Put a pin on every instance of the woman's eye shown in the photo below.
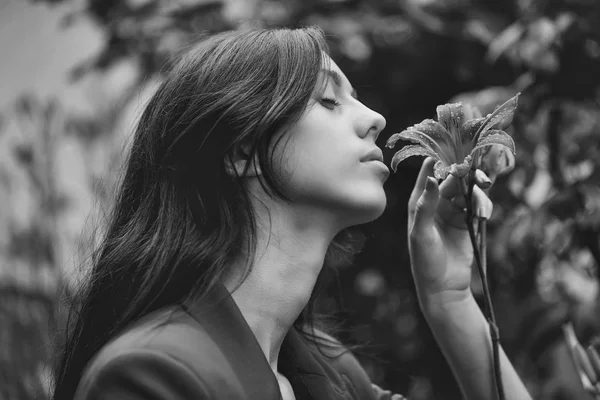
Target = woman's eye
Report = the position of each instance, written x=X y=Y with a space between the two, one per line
x=330 y=103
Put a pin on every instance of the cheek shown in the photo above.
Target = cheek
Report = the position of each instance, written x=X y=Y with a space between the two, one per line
x=309 y=155
x=319 y=166
x=337 y=183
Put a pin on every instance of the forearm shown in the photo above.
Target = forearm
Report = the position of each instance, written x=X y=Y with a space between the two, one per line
x=462 y=333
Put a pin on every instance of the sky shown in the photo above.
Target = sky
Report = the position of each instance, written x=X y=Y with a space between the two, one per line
x=37 y=52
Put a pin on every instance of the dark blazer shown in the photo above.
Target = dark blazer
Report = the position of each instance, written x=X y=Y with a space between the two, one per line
x=206 y=351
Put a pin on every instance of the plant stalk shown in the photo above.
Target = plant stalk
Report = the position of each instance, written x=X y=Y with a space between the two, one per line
x=479 y=252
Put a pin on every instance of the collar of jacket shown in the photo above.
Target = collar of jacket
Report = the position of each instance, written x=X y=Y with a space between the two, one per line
x=310 y=374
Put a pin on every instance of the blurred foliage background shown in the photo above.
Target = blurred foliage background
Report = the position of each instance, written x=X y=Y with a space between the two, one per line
x=58 y=166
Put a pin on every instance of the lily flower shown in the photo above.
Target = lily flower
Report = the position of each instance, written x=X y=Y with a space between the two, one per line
x=457 y=138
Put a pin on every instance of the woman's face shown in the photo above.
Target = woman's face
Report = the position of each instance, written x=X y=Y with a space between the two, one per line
x=325 y=160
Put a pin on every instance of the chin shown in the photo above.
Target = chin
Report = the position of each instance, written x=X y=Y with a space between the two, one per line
x=378 y=209
x=368 y=209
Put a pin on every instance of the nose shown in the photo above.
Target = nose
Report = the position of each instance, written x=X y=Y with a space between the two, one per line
x=372 y=123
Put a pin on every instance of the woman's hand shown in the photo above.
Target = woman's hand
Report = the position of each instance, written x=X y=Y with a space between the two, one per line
x=440 y=249
x=441 y=257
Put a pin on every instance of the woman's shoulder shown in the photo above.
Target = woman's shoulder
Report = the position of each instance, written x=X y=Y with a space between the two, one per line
x=164 y=346
x=168 y=330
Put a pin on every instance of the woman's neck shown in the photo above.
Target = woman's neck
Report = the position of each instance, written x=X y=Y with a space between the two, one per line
x=283 y=273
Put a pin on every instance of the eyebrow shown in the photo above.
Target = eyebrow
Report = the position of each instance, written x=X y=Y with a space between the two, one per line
x=337 y=79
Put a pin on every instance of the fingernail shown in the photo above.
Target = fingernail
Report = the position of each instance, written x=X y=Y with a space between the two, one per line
x=486 y=184
x=479 y=212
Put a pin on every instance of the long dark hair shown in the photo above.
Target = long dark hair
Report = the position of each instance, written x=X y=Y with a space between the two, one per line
x=179 y=218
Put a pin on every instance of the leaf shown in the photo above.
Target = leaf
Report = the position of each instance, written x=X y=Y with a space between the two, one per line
x=410 y=151
x=505 y=41
x=506 y=109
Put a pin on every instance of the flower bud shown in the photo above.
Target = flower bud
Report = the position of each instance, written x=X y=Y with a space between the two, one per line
x=495 y=160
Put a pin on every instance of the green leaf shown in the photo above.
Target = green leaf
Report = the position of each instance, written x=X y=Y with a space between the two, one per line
x=506 y=109
x=410 y=151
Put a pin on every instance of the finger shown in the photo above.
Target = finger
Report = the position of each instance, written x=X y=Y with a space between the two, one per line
x=459 y=202
x=482 y=180
x=426 y=207
x=452 y=212
x=449 y=188
x=480 y=200
x=426 y=171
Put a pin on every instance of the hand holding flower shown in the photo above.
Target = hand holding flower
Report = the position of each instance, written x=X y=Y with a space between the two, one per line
x=440 y=247
x=439 y=244
x=441 y=250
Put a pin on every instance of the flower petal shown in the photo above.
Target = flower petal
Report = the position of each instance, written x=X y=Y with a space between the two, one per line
x=442 y=170
x=507 y=109
x=470 y=129
x=410 y=151
x=461 y=170
x=430 y=135
x=495 y=137
x=451 y=117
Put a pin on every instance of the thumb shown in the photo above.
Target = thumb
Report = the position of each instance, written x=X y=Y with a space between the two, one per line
x=426 y=206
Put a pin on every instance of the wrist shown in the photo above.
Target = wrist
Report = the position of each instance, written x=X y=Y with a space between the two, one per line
x=445 y=304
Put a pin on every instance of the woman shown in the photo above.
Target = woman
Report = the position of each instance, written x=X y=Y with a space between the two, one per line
x=247 y=166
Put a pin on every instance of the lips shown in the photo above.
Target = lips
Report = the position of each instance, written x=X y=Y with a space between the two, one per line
x=374 y=155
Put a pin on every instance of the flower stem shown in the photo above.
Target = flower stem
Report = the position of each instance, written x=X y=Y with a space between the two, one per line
x=479 y=253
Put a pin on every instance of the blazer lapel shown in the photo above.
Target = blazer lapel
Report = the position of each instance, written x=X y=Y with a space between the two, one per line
x=222 y=320
x=310 y=375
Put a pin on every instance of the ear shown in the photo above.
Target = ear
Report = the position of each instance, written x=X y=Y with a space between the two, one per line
x=236 y=162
